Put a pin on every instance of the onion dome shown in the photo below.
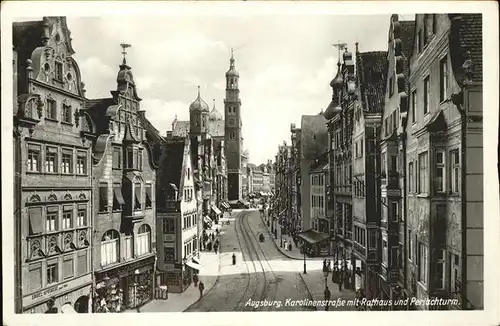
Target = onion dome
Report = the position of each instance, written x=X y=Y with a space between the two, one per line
x=199 y=104
x=338 y=81
x=331 y=110
x=232 y=70
x=215 y=114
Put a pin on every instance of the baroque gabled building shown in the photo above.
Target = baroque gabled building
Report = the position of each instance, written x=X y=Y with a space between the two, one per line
x=53 y=172
x=444 y=147
x=124 y=183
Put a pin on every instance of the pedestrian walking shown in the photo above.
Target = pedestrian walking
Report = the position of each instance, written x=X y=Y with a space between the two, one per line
x=286 y=245
x=329 y=265
x=328 y=294
x=215 y=248
x=201 y=287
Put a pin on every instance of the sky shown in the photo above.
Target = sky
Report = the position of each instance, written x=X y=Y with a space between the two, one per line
x=285 y=63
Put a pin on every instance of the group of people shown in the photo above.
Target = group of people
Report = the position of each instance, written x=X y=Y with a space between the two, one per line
x=211 y=241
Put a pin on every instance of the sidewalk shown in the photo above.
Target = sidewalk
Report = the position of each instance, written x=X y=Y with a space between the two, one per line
x=315 y=283
x=209 y=274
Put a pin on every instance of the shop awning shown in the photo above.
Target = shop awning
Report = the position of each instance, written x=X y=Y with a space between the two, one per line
x=312 y=237
x=117 y=191
x=193 y=265
x=207 y=219
x=67 y=309
x=216 y=210
x=225 y=205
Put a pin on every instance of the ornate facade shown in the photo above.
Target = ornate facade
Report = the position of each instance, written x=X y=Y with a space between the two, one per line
x=52 y=146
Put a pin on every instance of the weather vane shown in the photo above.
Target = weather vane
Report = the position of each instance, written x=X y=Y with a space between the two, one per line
x=124 y=47
x=340 y=46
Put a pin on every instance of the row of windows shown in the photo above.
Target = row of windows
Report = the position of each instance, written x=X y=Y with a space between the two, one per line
x=51 y=111
x=133 y=158
x=359 y=188
x=391 y=122
x=188 y=194
x=318 y=180
x=360 y=235
x=344 y=175
x=318 y=201
x=134 y=198
x=56 y=219
x=56 y=162
x=190 y=247
x=418 y=181
x=190 y=221
x=443 y=90
x=231 y=109
x=110 y=245
x=52 y=271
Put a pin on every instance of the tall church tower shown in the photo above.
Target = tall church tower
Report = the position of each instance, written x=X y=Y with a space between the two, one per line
x=232 y=134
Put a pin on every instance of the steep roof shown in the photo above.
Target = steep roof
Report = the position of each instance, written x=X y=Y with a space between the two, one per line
x=172 y=161
x=372 y=73
x=468 y=33
x=314 y=136
x=180 y=129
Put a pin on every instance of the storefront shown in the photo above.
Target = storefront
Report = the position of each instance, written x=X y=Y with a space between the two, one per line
x=180 y=277
x=317 y=243
x=215 y=214
x=67 y=297
x=125 y=287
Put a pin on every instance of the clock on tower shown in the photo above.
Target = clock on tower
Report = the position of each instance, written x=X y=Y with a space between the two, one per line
x=231 y=122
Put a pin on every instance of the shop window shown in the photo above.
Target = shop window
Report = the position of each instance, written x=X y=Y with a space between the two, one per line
x=82 y=263
x=68 y=267
x=455 y=171
x=103 y=197
x=34 y=158
x=144 y=240
x=128 y=247
x=51 y=160
x=67 y=220
x=35 y=276
x=52 y=272
x=67 y=161
x=81 y=163
x=110 y=247
x=66 y=113
x=51 y=219
x=51 y=110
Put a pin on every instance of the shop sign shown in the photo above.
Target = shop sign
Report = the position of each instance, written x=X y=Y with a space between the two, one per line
x=126 y=269
x=56 y=290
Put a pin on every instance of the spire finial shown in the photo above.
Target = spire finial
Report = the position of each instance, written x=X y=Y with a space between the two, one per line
x=232 y=53
x=199 y=92
x=340 y=46
x=124 y=46
x=214 y=104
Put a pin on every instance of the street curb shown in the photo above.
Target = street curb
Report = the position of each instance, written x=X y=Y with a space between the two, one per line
x=308 y=291
x=275 y=244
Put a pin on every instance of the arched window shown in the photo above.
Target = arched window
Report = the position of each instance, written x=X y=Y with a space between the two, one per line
x=110 y=247
x=143 y=243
